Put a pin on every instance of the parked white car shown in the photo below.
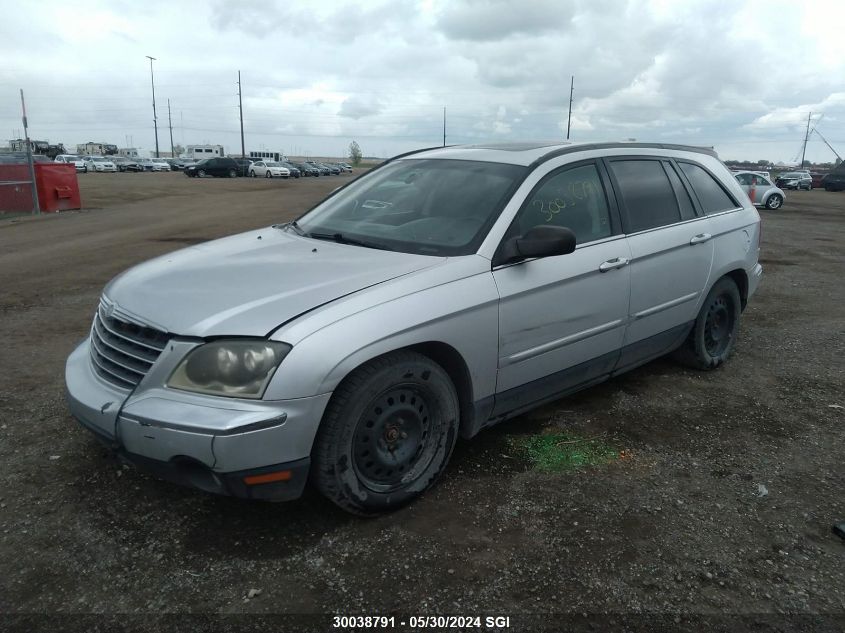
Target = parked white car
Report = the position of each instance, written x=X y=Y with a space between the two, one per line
x=159 y=164
x=268 y=169
x=760 y=189
x=71 y=159
x=99 y=163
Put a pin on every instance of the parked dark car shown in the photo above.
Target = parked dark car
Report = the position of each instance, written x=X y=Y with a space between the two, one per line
x=293 y=169
x=221 y=167
x=124 y=163
x=306 y=169
x=243 y=165
x=834 y=181
x=324 y=169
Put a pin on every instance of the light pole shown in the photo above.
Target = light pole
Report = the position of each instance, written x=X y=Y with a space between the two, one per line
x=153 y=84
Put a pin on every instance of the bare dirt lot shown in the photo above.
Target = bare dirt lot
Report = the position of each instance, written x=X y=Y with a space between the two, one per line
x=723 y=503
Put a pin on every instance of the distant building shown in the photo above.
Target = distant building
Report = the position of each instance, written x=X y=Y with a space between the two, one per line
x=198 y=152
x=96 y=149
x=128 y=152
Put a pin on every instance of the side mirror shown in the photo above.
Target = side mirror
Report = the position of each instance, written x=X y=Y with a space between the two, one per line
x=540 y=241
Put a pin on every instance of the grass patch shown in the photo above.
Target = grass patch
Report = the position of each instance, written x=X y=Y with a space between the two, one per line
x=559 y=452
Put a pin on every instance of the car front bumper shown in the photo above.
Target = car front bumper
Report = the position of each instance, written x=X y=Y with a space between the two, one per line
x=211 y=443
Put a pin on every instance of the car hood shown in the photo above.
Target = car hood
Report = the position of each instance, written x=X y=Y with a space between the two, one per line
x=249 y=284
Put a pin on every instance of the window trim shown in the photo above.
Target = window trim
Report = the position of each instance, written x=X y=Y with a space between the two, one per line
x=694 y=194
x=623 y=207
x=612 y=209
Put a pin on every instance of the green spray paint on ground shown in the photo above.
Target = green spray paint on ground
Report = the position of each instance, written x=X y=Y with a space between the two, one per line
x=559 y=452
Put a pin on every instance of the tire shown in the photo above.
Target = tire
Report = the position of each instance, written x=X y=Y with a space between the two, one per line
x=267 y=174
x=713 y=336
x=85 y=169
x=365 y=433
x=252 y=174
x=201 y=173
x=233 y=173
x=774 y=202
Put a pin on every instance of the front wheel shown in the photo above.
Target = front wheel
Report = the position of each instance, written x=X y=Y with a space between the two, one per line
x=267 y=174
x=774 y=201
x=201 y=173
x=233 y=173
x=387 y=434
x=714 y=333
x=252 y=174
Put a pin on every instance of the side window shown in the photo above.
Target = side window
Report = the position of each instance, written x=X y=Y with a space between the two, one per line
x=710 y=193
x=647 y=192
x=573 y=198
x=743 y=179
x=681 y=193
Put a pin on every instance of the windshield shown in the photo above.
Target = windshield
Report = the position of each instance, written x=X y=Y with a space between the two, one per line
x=98 y=159
x=792 y=175
x=430 y=207
x=270 y=163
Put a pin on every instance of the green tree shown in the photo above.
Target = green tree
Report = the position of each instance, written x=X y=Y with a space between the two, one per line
x=178 y=150
x=355 y=153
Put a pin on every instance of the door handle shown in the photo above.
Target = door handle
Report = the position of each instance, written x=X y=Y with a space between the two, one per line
x=612 y=264
x=700 y=238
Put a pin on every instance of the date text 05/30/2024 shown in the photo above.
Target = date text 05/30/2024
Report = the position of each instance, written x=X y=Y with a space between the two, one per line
x=421 y=622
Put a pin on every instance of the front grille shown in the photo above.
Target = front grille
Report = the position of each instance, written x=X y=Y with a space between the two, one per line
x=122 y=352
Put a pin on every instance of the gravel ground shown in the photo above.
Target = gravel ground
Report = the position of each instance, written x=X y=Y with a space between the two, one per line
x=721 y=507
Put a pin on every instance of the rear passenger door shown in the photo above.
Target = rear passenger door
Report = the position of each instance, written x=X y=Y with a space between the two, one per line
x=672 y=252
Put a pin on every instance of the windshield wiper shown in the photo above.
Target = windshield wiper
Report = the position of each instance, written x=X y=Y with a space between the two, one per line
x=340 y=238
x=293 y=225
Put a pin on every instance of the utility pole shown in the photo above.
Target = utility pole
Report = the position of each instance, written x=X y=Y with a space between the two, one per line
x=241 y=109
x=444 y=126
x=153 y=84
x=36 y=208
x=806 y=138
x=170 y=123
x=569 y=118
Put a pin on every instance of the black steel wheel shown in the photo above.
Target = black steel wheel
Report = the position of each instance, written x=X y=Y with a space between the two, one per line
x=387 y=433
x=714 y=333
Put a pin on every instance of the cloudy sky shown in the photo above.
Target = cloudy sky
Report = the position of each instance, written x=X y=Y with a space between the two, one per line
x=741 y=76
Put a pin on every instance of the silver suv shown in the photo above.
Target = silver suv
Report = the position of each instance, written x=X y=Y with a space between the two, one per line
x=444 y=291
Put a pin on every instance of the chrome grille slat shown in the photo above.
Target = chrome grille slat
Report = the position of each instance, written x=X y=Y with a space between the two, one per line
x=123 y=352
x=111 y=376
x=117 y=362
x=136 y=341
x=103 y=334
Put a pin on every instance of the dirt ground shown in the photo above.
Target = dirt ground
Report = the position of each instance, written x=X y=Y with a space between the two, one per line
x=723 y=504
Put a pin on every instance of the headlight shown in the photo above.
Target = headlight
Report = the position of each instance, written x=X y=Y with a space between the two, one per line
x=238 y=368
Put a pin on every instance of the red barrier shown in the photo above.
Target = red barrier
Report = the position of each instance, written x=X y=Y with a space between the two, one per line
x=56 y=184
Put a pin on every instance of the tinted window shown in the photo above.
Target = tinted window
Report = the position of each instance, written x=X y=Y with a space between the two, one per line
x=743 y=179
x=573 y=198
x=681 y=193
x=710 y=193
x=647 y=193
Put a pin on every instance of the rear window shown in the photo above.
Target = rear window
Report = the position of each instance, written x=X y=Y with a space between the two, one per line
x=710 y=194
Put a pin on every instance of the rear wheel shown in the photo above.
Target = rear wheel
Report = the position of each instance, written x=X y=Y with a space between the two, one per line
x=714 y=333
x=387 y=434
x=267 y=174
x=233 y=173
x=200 y=173
x=774 y=202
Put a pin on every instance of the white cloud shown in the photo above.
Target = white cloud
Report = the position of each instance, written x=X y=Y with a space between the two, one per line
x=316 y=76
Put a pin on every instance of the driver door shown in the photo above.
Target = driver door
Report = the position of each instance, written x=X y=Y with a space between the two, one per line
x=562 y=319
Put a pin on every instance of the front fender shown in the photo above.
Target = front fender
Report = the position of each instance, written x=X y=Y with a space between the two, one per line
x=462 y=314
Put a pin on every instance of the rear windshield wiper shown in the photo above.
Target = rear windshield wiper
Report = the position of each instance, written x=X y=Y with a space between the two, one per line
x=340 y=238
